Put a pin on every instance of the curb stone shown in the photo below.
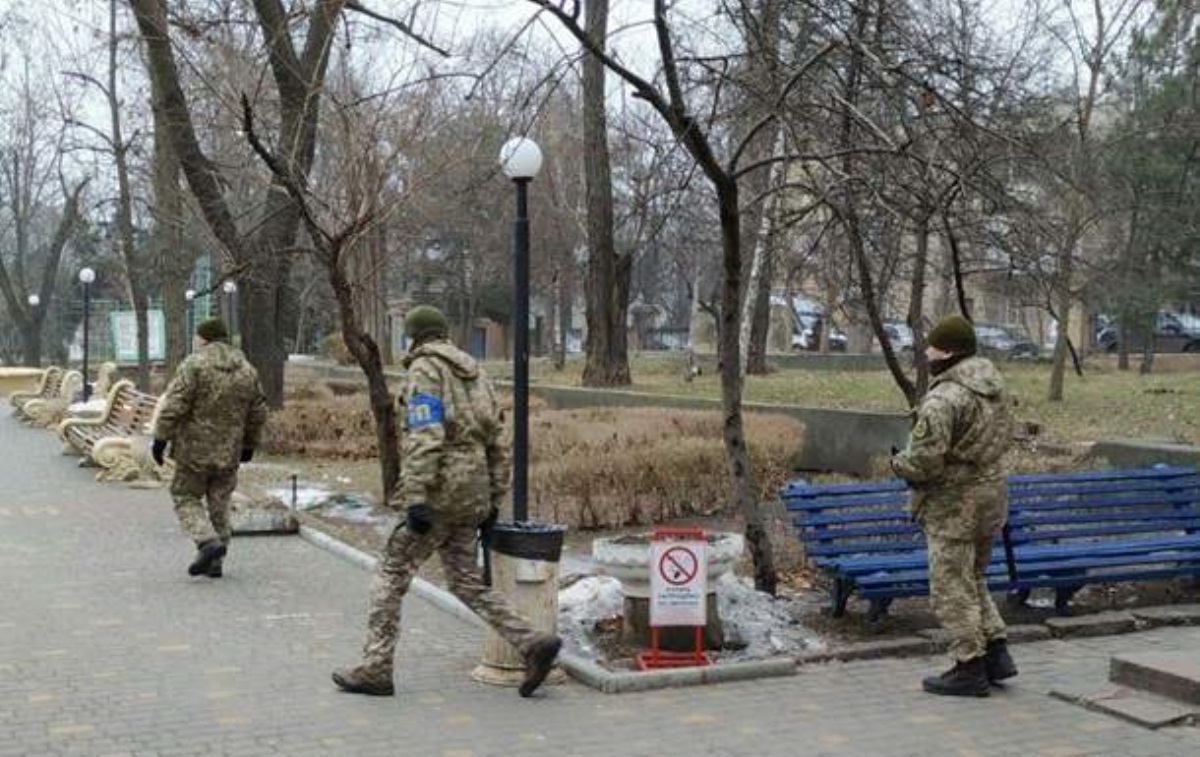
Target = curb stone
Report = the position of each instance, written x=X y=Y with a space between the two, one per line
x=584 y=670
x=1100 y=624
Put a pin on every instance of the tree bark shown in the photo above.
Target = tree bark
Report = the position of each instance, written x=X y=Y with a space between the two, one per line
x=756 y=315
x=135 y=270
x=607 y=286
x=173 y=261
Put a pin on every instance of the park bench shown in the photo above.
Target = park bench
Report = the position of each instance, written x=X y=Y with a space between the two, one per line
x=127 y=413
x=44 y=412
x=48 y=387
x=1065 y=530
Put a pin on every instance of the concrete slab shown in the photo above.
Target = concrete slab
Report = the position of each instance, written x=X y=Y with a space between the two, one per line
x=1170 y=674
x=904 y=646
x=1168 y=615
x=1099 y=624
x=1023 y=634
x=1146 y=710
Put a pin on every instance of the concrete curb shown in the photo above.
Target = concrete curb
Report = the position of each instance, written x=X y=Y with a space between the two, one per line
x=439 y=598
x=583 y=670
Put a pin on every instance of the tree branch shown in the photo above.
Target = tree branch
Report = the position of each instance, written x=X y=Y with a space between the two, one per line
x=404 y=28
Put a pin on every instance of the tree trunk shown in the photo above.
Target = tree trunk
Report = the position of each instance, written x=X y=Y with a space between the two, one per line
x=1058 y=368
x=745 y=489
x=916 y=308
x=174 y=262
x=608 y=274
x=366 y=352
x=756 y=315
x=31 y=342
x=135 y=271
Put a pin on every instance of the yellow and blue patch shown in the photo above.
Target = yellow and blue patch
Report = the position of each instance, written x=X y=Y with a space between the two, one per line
x=424 y=410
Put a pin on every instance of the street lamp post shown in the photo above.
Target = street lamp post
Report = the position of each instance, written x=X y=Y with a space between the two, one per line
x=521 y=159
x=522 y=548
x=230 y=290
x=190 y=296
x=86 y=277
x=34 y=356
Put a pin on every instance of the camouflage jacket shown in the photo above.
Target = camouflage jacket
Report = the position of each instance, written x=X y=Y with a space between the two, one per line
x=213 y=407
x=953 y=459
x=453 y=454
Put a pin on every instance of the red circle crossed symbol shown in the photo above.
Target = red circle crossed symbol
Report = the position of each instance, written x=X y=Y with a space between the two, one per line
x=678 y=565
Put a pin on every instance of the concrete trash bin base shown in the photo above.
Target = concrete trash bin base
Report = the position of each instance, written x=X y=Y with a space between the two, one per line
x=524 y=561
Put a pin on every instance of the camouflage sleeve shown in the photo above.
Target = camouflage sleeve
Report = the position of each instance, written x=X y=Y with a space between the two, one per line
x=256 y=418
x=177 y=401
x=923 y=460
x=421 y=455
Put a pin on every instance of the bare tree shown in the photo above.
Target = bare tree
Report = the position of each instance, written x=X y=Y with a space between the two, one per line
x=690 y=129
x=608 y=273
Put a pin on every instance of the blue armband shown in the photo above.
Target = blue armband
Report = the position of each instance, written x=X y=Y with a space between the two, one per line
x=424 y=410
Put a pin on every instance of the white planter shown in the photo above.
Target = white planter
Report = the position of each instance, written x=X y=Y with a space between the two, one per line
x=627 y=559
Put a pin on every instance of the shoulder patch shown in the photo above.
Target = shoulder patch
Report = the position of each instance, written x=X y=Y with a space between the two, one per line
x=921 y=430
x=424 y=410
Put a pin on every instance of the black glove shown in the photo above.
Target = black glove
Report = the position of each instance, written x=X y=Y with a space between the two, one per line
x=419 y=518
x=895 y=450
x=247 y=454
x=489 y=522
x=157 y=449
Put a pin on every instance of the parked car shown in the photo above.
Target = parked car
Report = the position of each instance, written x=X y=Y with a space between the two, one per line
x=1009 y=342
x=1171 y=334
x=807 y=336
x=899 y=334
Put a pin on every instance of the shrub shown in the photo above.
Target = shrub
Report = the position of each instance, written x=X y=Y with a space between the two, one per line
x=334 y=348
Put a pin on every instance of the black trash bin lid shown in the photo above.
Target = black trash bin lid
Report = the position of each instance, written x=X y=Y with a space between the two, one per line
x=531 y=541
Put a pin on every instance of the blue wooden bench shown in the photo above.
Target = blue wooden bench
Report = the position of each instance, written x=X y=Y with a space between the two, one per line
x=1065 y=530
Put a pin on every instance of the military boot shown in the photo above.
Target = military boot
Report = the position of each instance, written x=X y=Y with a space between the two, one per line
x=361 y=681
x=208 y=552
x=216 y=570
x=539 y=661
x=998 y=661
x=965 y=679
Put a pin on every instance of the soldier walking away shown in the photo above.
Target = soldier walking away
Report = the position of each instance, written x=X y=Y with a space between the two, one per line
x=960 y=500
x=211 y=416
x=454 y=475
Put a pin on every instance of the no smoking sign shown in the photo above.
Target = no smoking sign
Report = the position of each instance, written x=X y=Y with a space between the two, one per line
x=678 y=583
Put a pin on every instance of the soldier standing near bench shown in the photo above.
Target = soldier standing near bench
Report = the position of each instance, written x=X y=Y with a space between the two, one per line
x=211 y=414
x=454 y=475
x=960 y=499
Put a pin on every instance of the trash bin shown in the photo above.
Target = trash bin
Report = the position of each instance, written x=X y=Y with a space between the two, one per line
x=524 y=560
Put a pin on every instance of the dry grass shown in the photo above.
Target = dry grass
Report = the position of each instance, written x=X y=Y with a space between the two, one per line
x=588 y=468
x=600 y=468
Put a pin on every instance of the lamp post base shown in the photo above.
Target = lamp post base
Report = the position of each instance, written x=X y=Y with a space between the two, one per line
x=530 y=586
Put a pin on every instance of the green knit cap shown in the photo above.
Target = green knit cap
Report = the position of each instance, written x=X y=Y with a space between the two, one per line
x=213 y=330
x=953 y=334
x=425 y=322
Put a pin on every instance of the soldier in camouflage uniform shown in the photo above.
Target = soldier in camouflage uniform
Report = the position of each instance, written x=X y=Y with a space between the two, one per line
x=959 y=498
x=211 y=414
x=454 y=475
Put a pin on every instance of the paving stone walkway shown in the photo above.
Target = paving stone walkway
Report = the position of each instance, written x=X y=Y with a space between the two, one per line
x=107 y=647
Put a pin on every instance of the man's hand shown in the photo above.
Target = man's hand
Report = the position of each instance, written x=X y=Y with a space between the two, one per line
x=157 y=449
x=247 y=454
x=419 y=518
x=895 y=450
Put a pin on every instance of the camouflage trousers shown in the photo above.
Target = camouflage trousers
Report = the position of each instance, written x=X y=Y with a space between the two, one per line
x=202 y=502
x=959 y=594
x=402 y=558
